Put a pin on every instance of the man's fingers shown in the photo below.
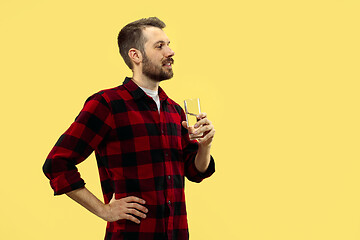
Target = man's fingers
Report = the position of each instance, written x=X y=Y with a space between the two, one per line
x=190 y=129
x=126 y=208
x=203 y=121
x=134 y=199
x=205 y=135
x=138 y=206
x=203 y=129
x=201 y=115
x=135 y=212
x=208 y=136
x=131 y=218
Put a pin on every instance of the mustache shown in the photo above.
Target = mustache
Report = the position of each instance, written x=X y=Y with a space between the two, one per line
x=169 y=60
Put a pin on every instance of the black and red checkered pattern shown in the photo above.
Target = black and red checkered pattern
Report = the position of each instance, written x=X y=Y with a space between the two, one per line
x=139 y=152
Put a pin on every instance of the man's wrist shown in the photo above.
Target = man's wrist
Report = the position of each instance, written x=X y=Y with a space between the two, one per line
x=104 y=211
x=202 y=158
x=204 y=149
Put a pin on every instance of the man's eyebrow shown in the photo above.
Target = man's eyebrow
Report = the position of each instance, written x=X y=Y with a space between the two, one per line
x=161 y=41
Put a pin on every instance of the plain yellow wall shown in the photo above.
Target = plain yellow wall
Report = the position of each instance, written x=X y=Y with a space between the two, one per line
x=279 y=80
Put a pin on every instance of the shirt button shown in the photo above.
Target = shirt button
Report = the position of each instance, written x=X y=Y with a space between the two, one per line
x=166 y=154
x=169 y=202
x=169 y=177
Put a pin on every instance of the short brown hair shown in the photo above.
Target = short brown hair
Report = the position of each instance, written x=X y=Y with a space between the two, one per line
x=131 y=36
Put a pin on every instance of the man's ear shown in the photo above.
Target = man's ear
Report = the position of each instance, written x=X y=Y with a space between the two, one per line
x=135 y=56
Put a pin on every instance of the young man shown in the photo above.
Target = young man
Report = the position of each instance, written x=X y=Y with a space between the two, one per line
x=141 y=143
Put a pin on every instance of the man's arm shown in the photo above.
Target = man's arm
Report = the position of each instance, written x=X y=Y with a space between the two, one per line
x=117 y=209
x=90 y=127
x=202 y=159
x=204 y=132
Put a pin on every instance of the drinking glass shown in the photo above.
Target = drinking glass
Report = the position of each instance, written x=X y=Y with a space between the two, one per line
x=192 y=109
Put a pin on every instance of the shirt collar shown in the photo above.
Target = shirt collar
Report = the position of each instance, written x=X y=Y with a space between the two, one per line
x=138 y=93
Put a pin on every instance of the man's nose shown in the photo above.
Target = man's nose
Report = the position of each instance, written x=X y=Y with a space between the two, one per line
x=169 y=52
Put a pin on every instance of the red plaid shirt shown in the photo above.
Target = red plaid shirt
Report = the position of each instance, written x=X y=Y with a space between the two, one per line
x=139 y=152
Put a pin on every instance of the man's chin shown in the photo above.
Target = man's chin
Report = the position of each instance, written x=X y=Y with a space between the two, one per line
x=168 y=77
x=162 y=78
x=160 y=75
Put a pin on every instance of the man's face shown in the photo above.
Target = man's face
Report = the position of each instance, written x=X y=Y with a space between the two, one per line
x=157 y=60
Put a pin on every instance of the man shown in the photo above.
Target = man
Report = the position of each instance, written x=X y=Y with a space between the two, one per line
x=141 y=143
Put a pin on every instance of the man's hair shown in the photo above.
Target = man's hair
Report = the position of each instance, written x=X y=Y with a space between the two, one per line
x=131 y=36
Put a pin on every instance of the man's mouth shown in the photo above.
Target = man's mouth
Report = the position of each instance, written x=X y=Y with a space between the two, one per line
x=168 y=63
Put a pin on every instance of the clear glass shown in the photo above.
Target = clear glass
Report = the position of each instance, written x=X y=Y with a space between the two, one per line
x=192 y=109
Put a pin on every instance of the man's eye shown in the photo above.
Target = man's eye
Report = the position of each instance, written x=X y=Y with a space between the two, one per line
x=159 y=46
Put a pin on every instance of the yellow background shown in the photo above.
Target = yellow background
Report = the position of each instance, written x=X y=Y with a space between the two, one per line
x=279 y=80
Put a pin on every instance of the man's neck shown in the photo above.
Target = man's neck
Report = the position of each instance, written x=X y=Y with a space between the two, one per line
x=145 y=82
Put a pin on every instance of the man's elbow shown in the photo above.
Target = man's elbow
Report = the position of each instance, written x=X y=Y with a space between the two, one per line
x=47 y=168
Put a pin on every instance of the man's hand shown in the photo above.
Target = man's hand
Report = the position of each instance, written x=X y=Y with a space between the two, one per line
x=117 y=209
x=125 y=208
x=203 y=130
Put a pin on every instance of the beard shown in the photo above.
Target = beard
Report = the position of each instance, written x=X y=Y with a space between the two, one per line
x=156 y=72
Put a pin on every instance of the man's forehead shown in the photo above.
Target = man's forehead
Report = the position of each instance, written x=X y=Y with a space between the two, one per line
x=154 y=34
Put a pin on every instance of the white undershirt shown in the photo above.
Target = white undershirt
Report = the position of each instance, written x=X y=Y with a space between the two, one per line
x=154 y=95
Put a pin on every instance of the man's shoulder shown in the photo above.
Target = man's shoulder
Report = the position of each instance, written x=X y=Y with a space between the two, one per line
x=113 y=94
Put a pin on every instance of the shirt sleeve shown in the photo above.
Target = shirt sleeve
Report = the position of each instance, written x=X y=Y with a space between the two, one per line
x=90 y=127
x=190 y=148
